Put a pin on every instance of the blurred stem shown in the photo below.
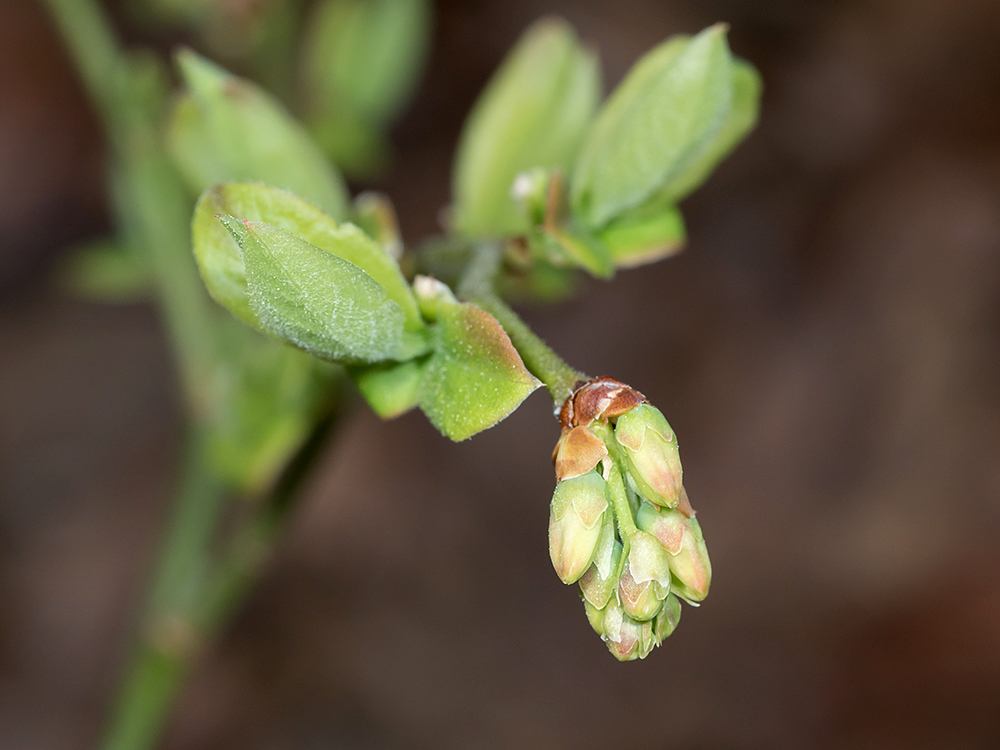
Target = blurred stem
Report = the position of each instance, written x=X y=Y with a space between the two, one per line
x=154 y=213
x=245 y=555
x=93 y=46
x=477 y=285
x=169 y=636
x=192 y=599
x=155 y=208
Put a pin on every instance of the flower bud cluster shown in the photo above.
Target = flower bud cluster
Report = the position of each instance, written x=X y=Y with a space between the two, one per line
x=621 y=524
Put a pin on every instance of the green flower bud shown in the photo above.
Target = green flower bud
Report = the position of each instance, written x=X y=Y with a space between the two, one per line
x=601 y=578
x=682 y=538
x=595 y=617
x=666 y=622
x=630 y=640
x=650 y=450
x=645 y=579
x=641 y=601
x=575 y=524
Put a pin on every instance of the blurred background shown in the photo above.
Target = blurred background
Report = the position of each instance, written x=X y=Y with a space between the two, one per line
x=826 y=348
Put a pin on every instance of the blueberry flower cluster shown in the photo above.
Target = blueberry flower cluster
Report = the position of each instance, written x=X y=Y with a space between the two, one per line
x=621 y=524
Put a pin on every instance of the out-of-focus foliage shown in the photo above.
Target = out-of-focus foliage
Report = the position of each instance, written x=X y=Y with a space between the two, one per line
x=361 y=61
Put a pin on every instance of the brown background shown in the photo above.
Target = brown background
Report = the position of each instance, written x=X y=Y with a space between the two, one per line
x=826 y=348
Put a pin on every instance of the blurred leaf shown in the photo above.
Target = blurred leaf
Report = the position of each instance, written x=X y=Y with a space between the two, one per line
x=661 y=119
x=374 y=213
x=356 y=146
x=742 y=117
x=227 y=129
x=644 y=235
x=474 y=377
x=221 y=263
x=533 y=113
x=105 y=270
x=574 y=246
x=267 y=398
x=541 y=282
x=363 y=57
x=390 y=388
x=317 y=300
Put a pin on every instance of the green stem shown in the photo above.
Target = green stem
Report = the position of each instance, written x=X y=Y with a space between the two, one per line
x=621 y=505
x=244 y=558
x=153 y=204
x=154 y=213
x=169 y=634
x=94 y=49
x=477 y=285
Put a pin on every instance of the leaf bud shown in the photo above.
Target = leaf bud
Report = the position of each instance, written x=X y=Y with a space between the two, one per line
x=681 y=537
x=654 y=464
x=575 y=524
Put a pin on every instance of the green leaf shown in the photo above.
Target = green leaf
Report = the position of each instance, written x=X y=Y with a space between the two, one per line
x=644 y=235
x=742 y=118
x=228 y=129
x=105 y=270
x=390 y=388
x=363 y=57
x=475 y=377
x=660 y=120
x=533 y=113
x=577 y=247
x=266 y=399
x=221 y=263
x=317 y=300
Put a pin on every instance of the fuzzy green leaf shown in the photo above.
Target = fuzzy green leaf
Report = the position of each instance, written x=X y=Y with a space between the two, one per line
x=660 y=120
x=221 y=263
x=475 y=377
x=316 y=300
x=225 y=128
x=533 y=113
x=742 y=117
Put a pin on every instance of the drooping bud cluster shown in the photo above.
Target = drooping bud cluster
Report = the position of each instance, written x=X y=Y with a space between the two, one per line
x=621 y=523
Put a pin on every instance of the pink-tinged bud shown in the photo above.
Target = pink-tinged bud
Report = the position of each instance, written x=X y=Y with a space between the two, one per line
x=682 y=538
x=645 y=577
x=601 y=578
x=575 y=524
x=666 y=622
x=641 y=601
x=578 y=451
x=650 y=449
x=635 y=640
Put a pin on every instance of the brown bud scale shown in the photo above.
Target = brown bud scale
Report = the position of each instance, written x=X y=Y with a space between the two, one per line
x=602 y=398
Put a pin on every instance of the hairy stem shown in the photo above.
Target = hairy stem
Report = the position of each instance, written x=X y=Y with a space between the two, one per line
x=477 y=285
x=620 y=504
